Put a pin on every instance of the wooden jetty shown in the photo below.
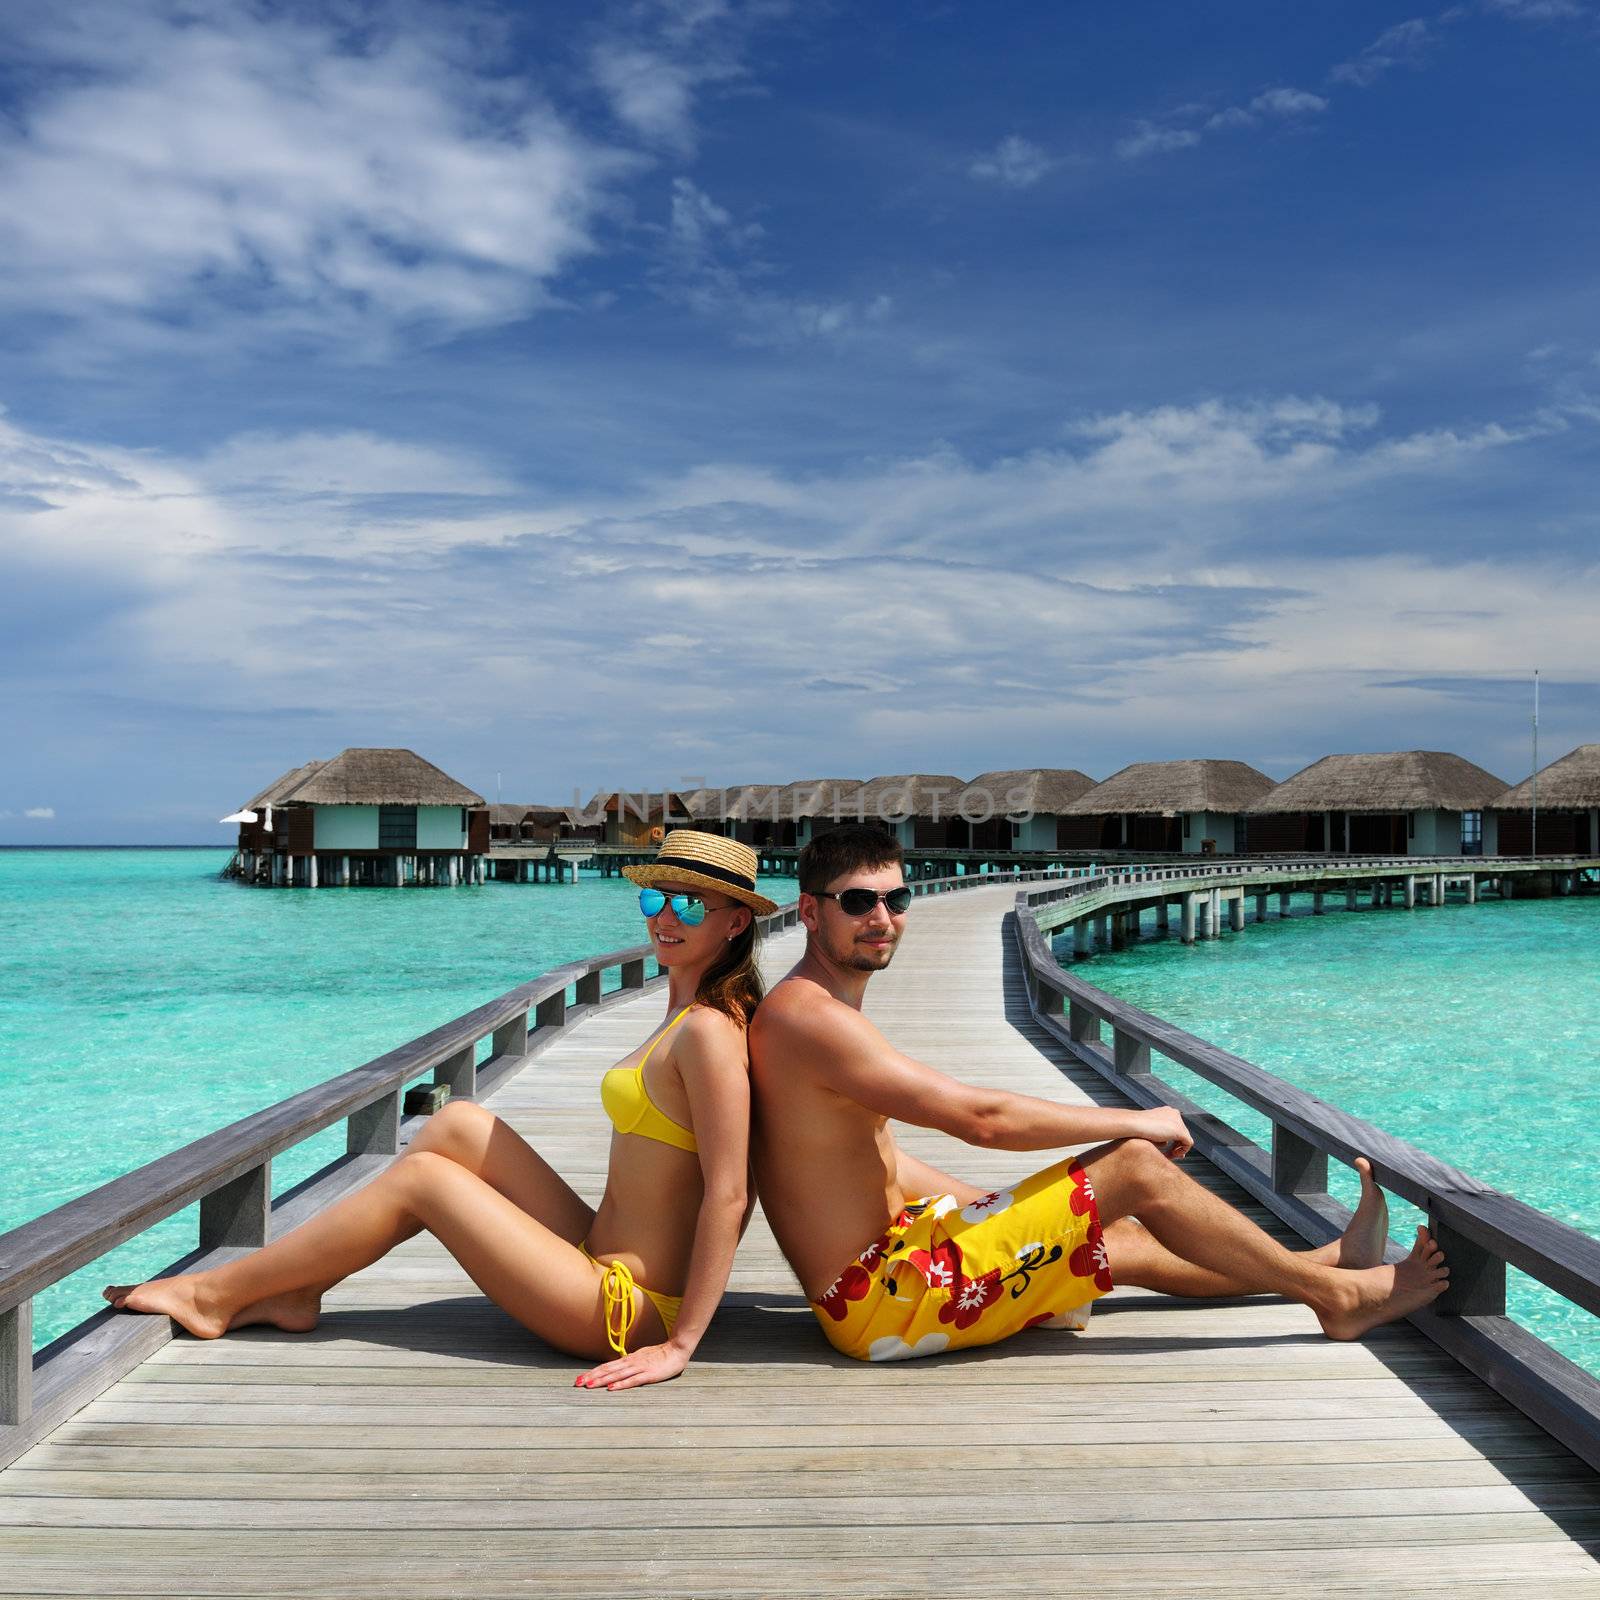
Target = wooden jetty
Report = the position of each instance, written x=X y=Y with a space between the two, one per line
x=420 y=1444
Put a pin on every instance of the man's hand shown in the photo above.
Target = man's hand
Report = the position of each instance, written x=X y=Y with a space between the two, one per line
x=652 y=1363
x=1162 y=1126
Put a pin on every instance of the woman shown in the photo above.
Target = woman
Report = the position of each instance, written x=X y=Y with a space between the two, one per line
x=641 y=1276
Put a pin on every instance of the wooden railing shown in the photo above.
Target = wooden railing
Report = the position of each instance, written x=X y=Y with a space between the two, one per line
x=229 y=1174
x=1481 y=1230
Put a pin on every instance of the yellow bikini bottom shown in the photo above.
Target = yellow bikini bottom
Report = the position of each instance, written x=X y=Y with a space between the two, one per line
x=622 y=1311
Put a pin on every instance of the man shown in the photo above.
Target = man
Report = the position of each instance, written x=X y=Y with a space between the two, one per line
x=900 y=1259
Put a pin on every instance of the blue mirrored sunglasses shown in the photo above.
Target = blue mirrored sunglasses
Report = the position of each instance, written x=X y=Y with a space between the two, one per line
x=689 y=909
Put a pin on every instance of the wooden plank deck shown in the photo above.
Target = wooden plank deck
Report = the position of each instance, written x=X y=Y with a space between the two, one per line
x=419 y=1444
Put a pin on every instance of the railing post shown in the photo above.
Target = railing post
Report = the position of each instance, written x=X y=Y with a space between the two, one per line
x=552 y=1012
x=589 y=989
x=1298 y=1167
x=16 y=1364
x=511 y=1038
x=1131 y=1056
x=1083 y=1026
x=239 y=1214
x=1477 y=1276
x=633 y=974
x=375 y=1130
x=459 y=1073
x=1047 y=998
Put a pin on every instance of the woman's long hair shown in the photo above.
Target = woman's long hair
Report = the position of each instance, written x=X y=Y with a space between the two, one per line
x=732 y=983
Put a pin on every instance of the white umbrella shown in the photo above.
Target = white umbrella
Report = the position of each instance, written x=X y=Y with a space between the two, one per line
x=239 y=816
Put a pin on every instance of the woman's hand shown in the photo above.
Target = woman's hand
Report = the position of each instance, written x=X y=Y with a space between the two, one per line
x=651 y=1363
x=1163 y=1127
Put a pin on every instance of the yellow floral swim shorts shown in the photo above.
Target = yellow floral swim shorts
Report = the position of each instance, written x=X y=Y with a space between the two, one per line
x=946 y=1275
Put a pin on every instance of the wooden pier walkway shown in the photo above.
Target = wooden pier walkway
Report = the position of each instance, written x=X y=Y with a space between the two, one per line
x=419 y=1444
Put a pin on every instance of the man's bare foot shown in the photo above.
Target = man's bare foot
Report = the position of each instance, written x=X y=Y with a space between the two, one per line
x=298 y=1312
x=183 y=1298
x=1362 y=1242
x=1366 y=1298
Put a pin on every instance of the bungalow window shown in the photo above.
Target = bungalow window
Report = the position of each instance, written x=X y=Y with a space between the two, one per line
x=1471 y=833
x=397 y=827
x=1188 y=825
x=1411 y=824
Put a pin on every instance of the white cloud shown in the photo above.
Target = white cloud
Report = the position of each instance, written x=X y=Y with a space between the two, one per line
x=1150 y=139
x=650 y=95
x=1015 y=163
x=662 y=53
x=1536 y=10
x=1289 y=103
x=170 y=164
x=711 y=266
x=1405 y=44
x=40 y=813
x=901 y=592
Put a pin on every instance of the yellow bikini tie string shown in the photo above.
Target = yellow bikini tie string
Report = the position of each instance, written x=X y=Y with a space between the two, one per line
x=621 y=1310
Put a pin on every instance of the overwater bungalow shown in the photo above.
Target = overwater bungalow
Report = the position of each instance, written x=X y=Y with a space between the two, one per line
x=507 y=823
x=1171 y=806
x=987 y=804
x=918 y=808
x=538 y=825
x=368 y=816
x=801 y=805
x=635 y=819
x=1401 y=802
x=1569 y=809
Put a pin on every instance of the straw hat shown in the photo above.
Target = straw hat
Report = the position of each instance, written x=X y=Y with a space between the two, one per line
x=705 y=861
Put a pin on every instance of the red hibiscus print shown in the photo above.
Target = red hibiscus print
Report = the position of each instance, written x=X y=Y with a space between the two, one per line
x=874 y=1251
x=941 y=1266
x=1089 y=1261
x=972 y=1297
x=851 y=1284
x=1082 y=1193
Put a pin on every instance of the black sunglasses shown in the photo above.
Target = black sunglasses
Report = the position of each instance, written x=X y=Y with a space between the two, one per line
x=858 y=902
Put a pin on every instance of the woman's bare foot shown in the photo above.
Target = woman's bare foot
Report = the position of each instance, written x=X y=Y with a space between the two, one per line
x=297 y=1312
x=1364 y=1299
x=184 y=1299
x=1362 y=1243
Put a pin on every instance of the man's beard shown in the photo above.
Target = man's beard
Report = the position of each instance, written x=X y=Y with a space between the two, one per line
x=866 y=961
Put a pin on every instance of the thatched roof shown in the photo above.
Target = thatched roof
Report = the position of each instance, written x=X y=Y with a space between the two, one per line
x=1045 y=791
x=812 y=797
x=361 y=777
x=704 y=805
x=904 y=794
x=611 y=802
x=507 y=816
x=751 y=800
x=274 y=792
x=1400 y=780
x=1170 y=788
x=1570 y=784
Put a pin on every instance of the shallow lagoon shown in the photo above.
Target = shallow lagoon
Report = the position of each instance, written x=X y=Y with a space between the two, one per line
x=1471 y=1031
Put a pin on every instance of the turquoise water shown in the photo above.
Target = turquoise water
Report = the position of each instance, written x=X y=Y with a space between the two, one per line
x=1470 y=1031
x=144 y=1002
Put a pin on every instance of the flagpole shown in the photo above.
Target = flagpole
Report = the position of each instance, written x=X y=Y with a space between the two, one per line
x=1535 y=841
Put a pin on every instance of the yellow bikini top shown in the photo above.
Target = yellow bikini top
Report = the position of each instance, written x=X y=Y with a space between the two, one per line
x=627 y=1102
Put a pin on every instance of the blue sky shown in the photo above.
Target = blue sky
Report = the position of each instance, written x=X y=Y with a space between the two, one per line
x=622 y=395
